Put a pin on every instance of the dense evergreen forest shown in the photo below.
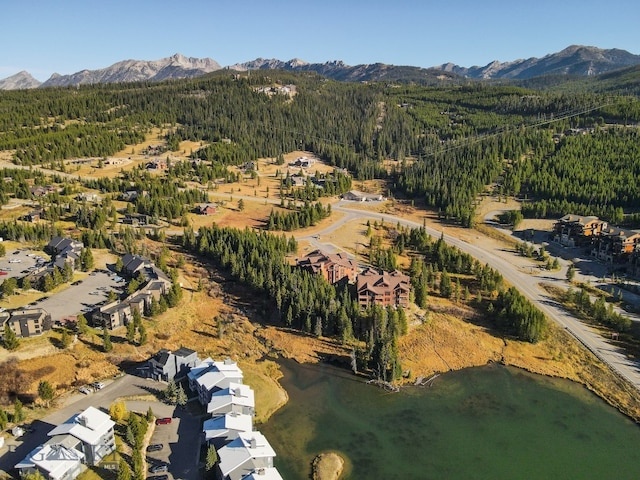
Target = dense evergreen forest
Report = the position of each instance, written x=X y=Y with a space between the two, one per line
x=446 y=144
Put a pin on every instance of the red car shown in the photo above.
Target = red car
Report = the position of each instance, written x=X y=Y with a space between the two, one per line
x=163 y=421
x=2 y=272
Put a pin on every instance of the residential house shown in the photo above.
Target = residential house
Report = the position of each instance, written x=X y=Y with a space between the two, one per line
x=237 y=397
x=383 y=288
x=65 y=250
x=243 y=456
x=132 y=265
x=94 y=429
x=157 y=164
x=210 y=376
x=221 y=430
x=167 y=365
x=85 y=438
x=576 y=230
x=53 y=462
x=136 y=219
x=41 y=191
x=302 y=162
x=206 y=209
x=89 y=197
x=334 y=267
x=296 y=180
x=58 y=245
x=129 y=195
x=27 y=322
x=34 y=215
x=354 y=195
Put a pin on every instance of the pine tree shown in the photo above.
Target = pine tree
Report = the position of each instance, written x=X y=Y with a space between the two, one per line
x=571 y=272
x=124 y=472
x=181 y=396
x=81 y=324
x=10 y=339
x=18 y=412
x=65 y=339
x=212 y=457
x=4 y=419
x=107 y=346
x=131 y=332
x=46 y=391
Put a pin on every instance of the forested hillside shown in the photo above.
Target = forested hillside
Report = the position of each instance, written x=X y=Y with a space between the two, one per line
x=446 y=144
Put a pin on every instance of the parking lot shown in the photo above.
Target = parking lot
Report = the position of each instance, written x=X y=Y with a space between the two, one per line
x=180 y=439
x=82 y=297
x=18 y=263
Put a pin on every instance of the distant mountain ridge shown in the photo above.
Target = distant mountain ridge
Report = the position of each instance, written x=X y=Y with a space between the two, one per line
x=574 y=60
x=19 y=80
x=338 y=70
x=176 y=66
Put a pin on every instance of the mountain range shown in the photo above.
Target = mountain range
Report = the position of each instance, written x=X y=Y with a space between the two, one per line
x=575 y=60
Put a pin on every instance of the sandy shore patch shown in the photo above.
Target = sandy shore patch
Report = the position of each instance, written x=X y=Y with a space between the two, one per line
x=328 y=466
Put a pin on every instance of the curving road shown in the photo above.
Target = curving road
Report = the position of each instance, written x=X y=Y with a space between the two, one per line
x=527 y=284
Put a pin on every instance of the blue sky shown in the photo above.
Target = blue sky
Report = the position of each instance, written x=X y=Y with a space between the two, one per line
x=66 y=36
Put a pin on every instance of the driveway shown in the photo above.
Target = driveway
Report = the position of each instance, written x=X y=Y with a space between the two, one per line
x=182 y=455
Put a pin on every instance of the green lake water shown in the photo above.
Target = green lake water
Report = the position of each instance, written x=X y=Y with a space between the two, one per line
x=492 y=423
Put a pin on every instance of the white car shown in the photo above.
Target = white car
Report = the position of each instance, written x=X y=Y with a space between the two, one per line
x=98 y=385
x=15 y=260
x=84 y=390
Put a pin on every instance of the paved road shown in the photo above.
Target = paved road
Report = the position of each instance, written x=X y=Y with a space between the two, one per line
x=526 y=283
x=182 y=456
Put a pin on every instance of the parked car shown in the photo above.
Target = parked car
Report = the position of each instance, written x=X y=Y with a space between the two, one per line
x=161 y=467
x=163 y=421
x=84 y=390
x=98 y=385
x=2 y=272
x=155 y=447
x=160 y=477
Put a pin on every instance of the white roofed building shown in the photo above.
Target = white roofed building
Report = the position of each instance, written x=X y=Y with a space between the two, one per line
x=209 y=377
x=94 y=429
x=243 y=456
x=85 y=438
x=219 y=431
x=53 y=462
x=237 y=397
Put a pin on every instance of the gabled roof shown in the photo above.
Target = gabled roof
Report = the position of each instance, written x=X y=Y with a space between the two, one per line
x=57 y=460
x=373 y=281
x=184 y=352
x=162 y=357
x=220 y=426
x=214 y=378
x=248 y=446
x=317 y=258
x=236 y=394
x=88 y=426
